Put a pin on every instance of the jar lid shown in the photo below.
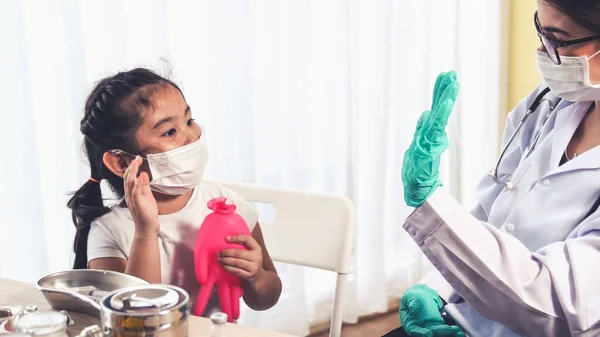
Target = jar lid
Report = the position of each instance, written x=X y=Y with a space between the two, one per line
x=145 y=308
x=219 y=318
x=144 y=298
x=41 y=323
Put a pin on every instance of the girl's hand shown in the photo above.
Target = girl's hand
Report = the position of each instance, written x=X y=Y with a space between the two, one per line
x=140 y=201
x=246 y=264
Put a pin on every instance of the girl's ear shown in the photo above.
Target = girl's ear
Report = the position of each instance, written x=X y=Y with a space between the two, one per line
x=116 y=163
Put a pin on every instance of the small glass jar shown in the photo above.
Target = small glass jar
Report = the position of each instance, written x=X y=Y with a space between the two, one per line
x=219 y=321
x=43 y=324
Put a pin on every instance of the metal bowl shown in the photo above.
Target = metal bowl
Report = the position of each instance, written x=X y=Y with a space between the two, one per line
x=148 y=310
x=60 y=289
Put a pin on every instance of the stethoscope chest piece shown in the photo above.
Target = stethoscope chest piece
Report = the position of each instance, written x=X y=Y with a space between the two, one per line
x=507 y=185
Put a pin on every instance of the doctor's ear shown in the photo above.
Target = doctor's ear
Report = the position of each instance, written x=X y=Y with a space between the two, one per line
x=116 y=162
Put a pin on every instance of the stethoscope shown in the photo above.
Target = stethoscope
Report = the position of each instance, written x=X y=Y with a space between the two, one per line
x=532 y=108
x=493 y=173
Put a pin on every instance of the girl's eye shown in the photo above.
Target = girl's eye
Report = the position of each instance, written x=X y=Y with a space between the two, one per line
x=190 y=122
x=169 y=133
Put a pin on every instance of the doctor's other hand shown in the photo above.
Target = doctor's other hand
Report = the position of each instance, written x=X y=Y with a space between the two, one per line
x=421 y=163
x=421 y=314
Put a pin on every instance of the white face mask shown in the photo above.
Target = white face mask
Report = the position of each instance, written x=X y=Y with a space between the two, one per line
x=179 y=170
x=569 y=80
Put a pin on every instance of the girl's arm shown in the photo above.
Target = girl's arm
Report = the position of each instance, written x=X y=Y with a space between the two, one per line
x=261 y=284
x=262 y=292
x=144 y=260
x=109 y=263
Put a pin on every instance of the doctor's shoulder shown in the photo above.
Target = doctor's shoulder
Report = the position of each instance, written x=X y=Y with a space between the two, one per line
x=526 y=103
x=541 y=104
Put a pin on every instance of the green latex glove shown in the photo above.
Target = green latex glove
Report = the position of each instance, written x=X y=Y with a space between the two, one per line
x=420 y=167
x=420 y=314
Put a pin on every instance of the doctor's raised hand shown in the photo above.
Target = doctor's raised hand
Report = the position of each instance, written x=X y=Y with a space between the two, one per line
x=420 y=167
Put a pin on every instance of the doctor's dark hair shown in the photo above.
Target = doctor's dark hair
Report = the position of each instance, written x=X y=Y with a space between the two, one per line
x=586 y=13
x=112 y=116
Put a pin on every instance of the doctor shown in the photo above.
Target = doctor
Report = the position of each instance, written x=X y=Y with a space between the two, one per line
x=526 y=260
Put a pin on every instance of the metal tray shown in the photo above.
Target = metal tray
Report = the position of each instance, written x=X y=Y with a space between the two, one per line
x=61 y=289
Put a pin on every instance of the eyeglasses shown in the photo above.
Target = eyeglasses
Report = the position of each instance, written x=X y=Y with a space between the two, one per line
x=551 y=45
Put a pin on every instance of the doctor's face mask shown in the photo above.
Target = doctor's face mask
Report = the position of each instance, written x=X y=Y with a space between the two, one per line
x=174 y=145
x=569 y=80
x=567 y=59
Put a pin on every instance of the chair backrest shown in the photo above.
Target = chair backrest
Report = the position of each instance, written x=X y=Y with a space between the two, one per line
x=309 y=229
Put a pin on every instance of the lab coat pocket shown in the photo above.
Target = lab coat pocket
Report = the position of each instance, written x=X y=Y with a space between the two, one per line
x=520 y=171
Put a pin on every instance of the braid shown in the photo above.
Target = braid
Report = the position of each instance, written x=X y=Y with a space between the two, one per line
x=112 y=116
x=98 y=107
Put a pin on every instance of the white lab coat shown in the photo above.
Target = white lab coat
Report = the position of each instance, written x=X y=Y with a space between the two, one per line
x=523 y=260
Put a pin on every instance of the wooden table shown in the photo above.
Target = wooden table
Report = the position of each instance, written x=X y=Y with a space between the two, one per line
x=19 y=293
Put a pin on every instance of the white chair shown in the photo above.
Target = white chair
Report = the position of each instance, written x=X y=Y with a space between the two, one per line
x=310 y=229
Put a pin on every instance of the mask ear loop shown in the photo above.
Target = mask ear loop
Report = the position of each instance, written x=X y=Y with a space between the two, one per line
x=588 y=78
x=593 y=55
x=117 y=152
x=145 y=164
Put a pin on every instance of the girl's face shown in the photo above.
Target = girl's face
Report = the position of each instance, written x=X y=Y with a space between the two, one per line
x=168 y=125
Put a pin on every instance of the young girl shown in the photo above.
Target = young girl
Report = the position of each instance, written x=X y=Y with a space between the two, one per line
x=141 y=138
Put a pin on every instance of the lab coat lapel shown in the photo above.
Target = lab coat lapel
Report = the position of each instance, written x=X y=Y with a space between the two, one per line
x=587 y=161
x=567 y=121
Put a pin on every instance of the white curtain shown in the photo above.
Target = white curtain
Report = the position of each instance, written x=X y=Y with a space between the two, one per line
x=320 y=95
